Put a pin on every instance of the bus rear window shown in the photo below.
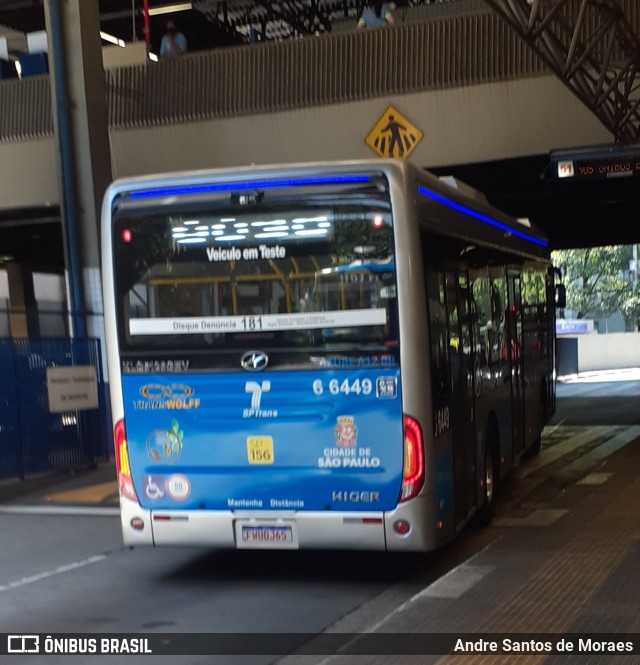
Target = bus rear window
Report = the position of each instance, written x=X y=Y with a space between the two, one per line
x=284 y=271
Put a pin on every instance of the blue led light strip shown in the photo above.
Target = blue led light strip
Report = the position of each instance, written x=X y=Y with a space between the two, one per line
x=250 y=184
x=483 y=218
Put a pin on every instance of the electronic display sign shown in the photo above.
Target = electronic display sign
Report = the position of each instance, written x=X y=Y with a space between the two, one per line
x=596 y=163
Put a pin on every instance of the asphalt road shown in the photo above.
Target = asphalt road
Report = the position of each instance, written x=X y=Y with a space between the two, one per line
x=67 y=574
x=599 y=398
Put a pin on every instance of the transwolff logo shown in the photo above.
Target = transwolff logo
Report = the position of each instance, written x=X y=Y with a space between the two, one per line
x=255 y=411
x=158 y=397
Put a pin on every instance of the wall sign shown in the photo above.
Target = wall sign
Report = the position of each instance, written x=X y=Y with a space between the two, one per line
x=393 y=136
x=72 y=388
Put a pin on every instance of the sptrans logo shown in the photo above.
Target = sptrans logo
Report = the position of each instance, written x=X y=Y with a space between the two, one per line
x=257 y=390
x=166 y=398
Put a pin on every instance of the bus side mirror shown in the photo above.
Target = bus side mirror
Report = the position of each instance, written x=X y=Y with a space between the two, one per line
x=560 y=296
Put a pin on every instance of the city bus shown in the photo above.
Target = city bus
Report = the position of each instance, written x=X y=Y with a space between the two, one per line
x=335 y=355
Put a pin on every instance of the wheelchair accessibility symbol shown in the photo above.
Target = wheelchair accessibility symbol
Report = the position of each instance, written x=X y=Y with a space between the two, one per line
x=153 y=487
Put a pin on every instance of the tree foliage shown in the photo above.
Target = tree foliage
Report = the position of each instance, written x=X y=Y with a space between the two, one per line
x=631 y=310
x=597 y=279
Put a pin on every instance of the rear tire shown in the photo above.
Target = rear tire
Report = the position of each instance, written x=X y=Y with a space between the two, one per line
x=487 y=510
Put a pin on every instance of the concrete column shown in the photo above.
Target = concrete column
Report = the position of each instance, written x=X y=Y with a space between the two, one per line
x=23 y=312
x=84 y=156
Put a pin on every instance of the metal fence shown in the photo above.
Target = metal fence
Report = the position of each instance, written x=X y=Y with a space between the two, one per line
x=331 y=69
x=31 y=438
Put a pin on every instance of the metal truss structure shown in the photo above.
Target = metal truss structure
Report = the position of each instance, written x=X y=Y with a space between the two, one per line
x=268 y=20
x=594 y=50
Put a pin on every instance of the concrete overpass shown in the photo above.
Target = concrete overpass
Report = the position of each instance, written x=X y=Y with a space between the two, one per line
x=489 y=111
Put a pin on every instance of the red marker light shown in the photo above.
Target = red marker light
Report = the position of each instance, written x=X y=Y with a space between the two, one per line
x=402 y=527
x=378 y=221
x=126 y=235
x=137 y=524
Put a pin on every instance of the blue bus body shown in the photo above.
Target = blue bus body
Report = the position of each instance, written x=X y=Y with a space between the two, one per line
x=345 y=355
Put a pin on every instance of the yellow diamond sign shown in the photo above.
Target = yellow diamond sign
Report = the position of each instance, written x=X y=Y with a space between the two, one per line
x=393 y=135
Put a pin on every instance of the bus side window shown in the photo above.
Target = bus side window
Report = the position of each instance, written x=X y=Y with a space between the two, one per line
x=496 y=303
x=498 y=359
x=438 y=335
x=481 y=292
x=533 y=293
x=453 y=329
x=534 y=296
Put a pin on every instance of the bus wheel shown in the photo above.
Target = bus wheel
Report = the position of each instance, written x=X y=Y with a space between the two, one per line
x=487 y=510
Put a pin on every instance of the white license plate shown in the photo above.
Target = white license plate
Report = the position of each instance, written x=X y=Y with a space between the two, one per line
x=265 y=536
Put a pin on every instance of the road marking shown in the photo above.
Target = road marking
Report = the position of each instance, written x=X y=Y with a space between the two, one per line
x=556 y=452
x=553 y=429
x=52 y=573
x=72 y=511
x=595 y=479
x=612 y=445
x=605 y=376
x=453 y=586
x=461 y=569
x=461 y=578
x=538 y=518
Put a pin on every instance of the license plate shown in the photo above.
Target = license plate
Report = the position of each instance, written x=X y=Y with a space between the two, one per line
x=265 y=536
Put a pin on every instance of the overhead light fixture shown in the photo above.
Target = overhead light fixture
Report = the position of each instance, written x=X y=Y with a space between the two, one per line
x=169 y=9
x=112 y=39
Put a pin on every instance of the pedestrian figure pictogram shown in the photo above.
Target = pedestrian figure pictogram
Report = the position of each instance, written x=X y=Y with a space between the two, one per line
x=393 y=136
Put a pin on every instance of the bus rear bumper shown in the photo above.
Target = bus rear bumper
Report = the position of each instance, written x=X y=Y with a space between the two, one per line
x=419 y=515
x=299 y=530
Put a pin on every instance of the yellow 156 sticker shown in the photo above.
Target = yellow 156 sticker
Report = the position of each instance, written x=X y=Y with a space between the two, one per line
x=260 y=449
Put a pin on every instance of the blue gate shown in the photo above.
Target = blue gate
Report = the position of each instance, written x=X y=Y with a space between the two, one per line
x=31 y=438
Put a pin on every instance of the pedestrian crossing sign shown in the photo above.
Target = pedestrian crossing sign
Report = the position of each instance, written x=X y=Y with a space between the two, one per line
x=393 y=136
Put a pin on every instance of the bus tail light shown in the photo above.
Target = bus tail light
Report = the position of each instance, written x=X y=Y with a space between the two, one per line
x=125 y=482
x=413 y=469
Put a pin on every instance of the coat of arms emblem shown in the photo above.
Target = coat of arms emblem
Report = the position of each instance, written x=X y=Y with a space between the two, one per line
x=346 y=431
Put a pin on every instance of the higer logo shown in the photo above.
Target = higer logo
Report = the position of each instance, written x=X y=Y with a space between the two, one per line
x=255 y=411
x=355 y=496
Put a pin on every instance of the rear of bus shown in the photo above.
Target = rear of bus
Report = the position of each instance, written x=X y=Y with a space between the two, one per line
x=254 y=360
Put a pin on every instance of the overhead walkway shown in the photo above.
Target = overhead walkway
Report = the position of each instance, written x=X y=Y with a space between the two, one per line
x=590 y=44
x=431 y=50
x=455 y=70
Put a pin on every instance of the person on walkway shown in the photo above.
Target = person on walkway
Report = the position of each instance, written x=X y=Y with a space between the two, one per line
x=174 y=43
x=375 y=15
